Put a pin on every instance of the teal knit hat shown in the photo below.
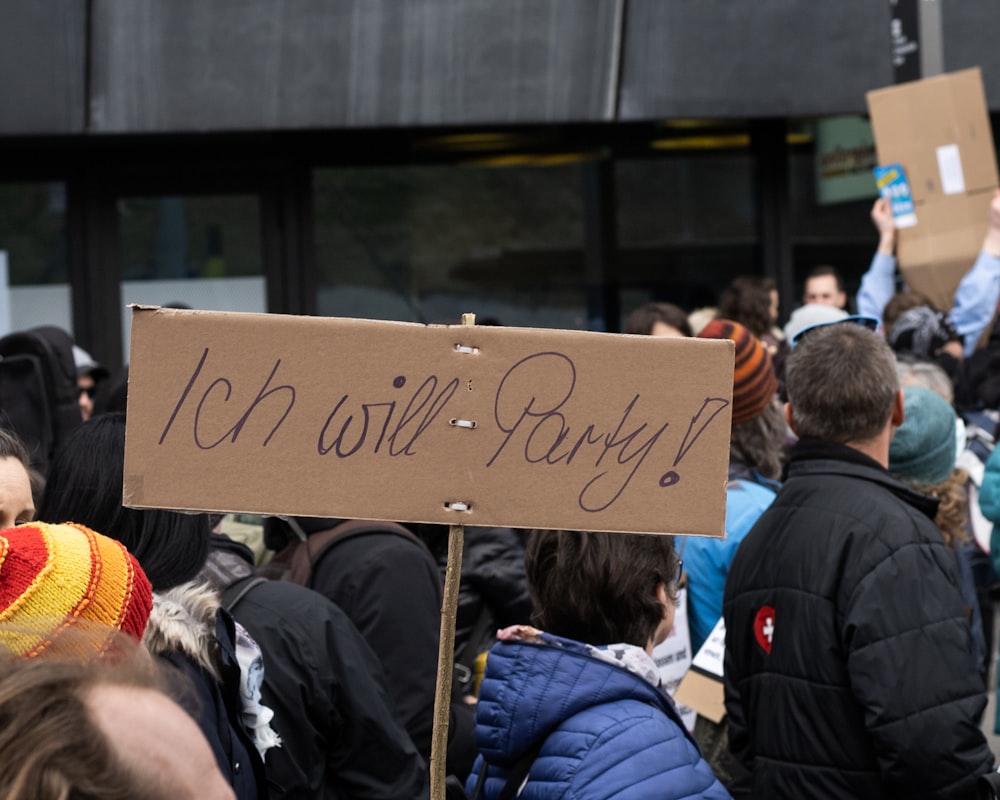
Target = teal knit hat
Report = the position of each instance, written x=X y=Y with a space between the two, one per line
x=924 y=449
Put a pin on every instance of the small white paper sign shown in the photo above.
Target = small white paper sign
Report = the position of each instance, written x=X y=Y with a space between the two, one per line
x=673 y=657
x=712 y=654
x=950 y=167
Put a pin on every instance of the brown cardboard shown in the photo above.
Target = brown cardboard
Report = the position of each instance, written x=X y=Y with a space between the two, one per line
x=911 y=121
x=575 y=430
x=702 y=688
x=703 y=693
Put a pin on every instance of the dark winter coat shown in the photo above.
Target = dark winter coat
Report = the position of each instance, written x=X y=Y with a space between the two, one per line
x=189 y=631
x=340 y=735
x=849 y=659
x=493 y=592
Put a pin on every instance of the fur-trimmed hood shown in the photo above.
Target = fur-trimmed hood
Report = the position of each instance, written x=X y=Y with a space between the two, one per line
x=183 y=620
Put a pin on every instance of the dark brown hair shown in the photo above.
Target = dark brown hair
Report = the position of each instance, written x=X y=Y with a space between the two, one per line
x=599 y=588
x=824 y=270
x=747 y=300
x=641 y=320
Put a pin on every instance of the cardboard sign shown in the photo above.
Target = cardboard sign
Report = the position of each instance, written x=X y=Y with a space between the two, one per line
x=702 y=688
x=454 y=424
x=939 y=130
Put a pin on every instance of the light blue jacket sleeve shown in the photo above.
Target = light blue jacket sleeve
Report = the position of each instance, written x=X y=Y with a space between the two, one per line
x=878 y=285
x=976 y=299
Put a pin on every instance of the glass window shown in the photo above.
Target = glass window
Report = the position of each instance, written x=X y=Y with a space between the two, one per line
x=427 y=243
x=832 y=190
x=686 y=227
x=203 y=252
x=33 y=247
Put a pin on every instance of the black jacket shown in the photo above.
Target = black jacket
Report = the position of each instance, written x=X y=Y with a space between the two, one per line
x=493 y=592
x=340 y=735
x=849 y=659
x=388 y=585
x=190 y=632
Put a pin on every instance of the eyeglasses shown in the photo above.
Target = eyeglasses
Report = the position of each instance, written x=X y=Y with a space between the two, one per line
x=90 y=391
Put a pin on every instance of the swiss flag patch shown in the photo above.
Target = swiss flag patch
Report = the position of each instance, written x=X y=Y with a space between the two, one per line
x=763 y=628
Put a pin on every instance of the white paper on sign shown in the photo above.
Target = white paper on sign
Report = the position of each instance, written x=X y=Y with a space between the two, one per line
x=673 y=657
x=950 y=167
x=711 y=656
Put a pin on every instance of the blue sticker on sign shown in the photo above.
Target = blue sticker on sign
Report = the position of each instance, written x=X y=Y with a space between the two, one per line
x=893 y=185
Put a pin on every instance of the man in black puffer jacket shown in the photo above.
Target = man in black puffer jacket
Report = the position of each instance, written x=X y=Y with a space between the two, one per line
x=849 y=659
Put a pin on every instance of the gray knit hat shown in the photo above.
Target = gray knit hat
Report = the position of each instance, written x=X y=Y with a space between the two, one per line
x=923 y=449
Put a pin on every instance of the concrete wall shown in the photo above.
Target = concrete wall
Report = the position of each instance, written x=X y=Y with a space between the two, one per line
x=42 y=67
x=145 y=66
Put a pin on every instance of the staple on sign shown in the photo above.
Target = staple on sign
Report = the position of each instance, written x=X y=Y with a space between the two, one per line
x=458 y=506
x=462 y=423
x=462 y=348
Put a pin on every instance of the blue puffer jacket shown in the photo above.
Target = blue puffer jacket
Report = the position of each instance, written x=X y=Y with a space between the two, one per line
x=607 y=732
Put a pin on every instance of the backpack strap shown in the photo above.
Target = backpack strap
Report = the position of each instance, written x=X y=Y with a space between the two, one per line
x=301 y=556
x=236 y=591
x=517 y=777
x=465 y=666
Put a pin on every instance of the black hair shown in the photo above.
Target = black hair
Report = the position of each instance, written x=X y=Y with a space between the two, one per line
x=85 y=486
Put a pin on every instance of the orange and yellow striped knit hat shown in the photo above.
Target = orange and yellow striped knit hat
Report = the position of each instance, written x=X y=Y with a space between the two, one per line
x=754 y=381
x=57 y=578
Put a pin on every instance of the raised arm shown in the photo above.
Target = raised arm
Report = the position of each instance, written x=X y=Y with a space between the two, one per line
x=878 y=283
x=977 y=295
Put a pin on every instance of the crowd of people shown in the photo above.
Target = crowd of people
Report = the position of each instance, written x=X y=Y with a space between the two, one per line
x=155 y=654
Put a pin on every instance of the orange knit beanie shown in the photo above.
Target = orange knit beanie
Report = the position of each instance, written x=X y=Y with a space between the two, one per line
x=754 y=381
x=56 y=578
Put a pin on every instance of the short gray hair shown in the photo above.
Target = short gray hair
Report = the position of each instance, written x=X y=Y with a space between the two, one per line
x=926 y=374
x=841 y=382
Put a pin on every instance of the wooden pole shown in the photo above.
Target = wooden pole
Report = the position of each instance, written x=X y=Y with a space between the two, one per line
x=446 y=650
x=446 y=662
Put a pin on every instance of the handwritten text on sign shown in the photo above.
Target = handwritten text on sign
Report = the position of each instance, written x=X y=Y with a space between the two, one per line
x=357 y=418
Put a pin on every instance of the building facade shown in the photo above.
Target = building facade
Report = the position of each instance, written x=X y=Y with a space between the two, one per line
x=551 y=163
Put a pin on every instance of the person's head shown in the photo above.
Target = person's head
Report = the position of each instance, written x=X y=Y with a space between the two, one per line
x=805 y=317
x=99 y=730
x=752 y=301
x=88 y=374
x=824 y=287
x=914 y=372
x=85 y=486
x=700 y=317
x=658 y=319
x=754 y=381
x=17 y=500
x=760 y=442
x=924 y=447
x=923 y=453
x=57 y=581
x=602 y=588
x=899 y=304
x=841 y=384
x=925 y=333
